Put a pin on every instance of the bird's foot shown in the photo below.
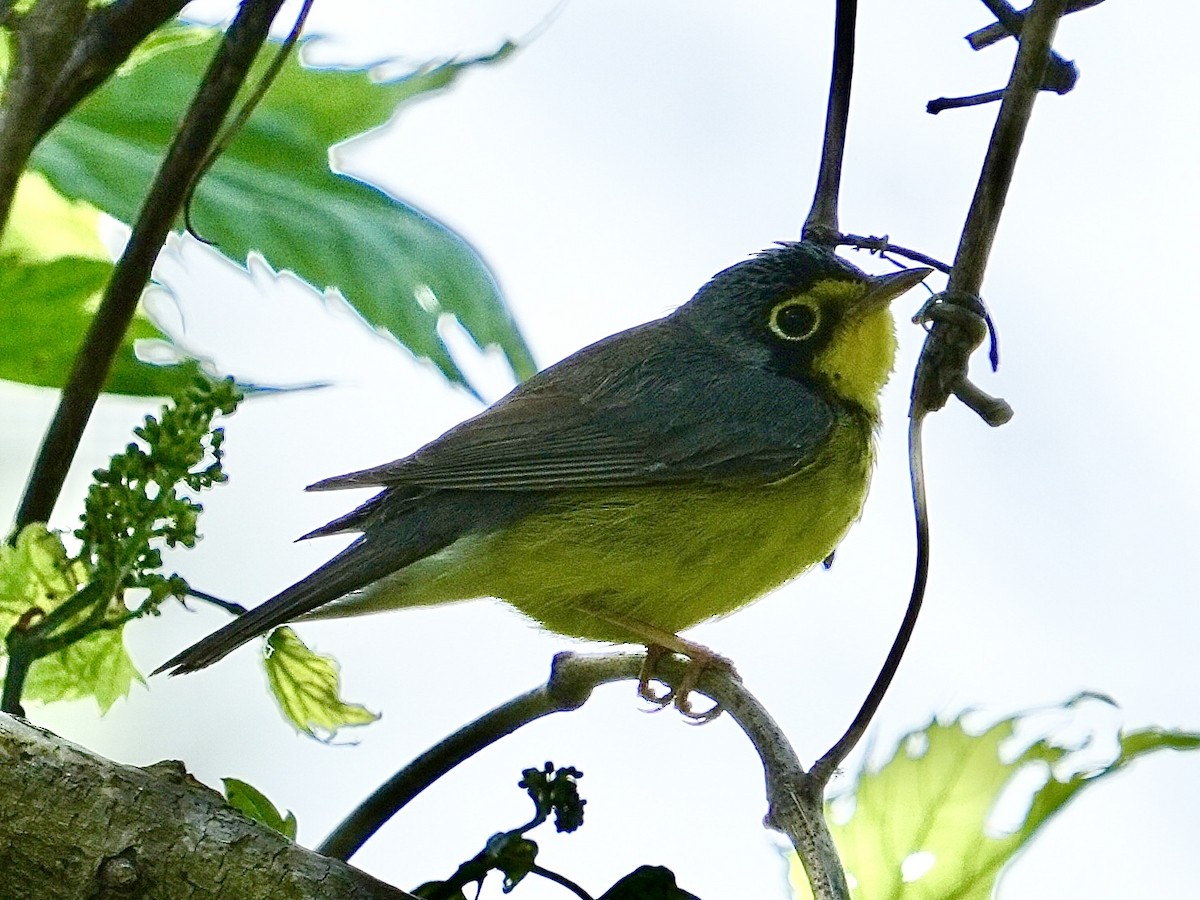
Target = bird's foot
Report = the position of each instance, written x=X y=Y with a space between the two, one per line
x=700 y=659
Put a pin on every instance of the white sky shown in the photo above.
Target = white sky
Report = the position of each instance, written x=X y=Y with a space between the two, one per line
x=605 y=172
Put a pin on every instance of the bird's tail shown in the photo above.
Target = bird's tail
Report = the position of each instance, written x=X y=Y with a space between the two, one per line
x=349 y=570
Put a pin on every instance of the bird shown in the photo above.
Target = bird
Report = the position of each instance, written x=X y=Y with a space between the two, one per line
x=663 y=476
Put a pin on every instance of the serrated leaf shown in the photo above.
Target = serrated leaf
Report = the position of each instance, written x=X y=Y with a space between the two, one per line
x=306 y=686
x=273 y=192
x=252 y=802
x=36 y=573
x=96 y=666
x=918 y=829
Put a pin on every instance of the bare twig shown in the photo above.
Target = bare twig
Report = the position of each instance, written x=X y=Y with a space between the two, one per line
x=1059 y=74
x=997 y=32
x=882 y=245
x=42 y=40
x=225 y=75
x=975 y=245
x=794 y=798
x=821 y=226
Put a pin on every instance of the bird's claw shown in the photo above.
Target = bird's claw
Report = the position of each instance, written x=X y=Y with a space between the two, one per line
x=681 y=697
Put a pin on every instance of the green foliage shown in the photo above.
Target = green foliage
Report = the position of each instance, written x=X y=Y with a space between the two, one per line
x=52 y=269
x=37 y=577
x=306 y=686
x=918 y=829
x=139 y=503
x=273 y=191
x=251 y=801
x=64 y=617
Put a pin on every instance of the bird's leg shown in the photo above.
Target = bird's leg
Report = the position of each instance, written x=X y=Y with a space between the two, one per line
x=653 y=654
x=660 y=642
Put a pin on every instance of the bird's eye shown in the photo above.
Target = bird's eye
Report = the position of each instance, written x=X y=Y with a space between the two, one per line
x=795 y=320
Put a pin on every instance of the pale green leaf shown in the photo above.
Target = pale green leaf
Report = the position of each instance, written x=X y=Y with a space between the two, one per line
x=37 y=576
x=53 y=268
x=918 y=830
x=306 y=686
x=95 y=666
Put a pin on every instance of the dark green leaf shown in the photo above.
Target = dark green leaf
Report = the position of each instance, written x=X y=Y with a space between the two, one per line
x=273 y=192
x=52 y=269
x=306 y=686
x=47 y=308
x=250 y=800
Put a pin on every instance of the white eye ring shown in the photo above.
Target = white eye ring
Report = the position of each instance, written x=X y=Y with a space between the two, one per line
x=795 y=320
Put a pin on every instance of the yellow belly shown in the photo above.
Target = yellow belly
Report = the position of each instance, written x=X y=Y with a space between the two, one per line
x=669 y=556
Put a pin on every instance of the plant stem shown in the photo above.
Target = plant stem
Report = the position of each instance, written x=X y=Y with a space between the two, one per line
x=203 y=121
x=975 y=245
x=821 y=226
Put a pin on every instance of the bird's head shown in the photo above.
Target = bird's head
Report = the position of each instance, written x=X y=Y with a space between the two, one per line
x=800 y=311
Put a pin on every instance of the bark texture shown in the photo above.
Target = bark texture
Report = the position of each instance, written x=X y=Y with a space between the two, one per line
x=75 y=825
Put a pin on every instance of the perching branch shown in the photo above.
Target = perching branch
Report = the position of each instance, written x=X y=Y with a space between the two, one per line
x=795 y=798
x=134 y=832
x=202 y=123
x=821 y=226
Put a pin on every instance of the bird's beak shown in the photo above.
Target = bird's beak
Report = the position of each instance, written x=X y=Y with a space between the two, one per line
x=883 y=289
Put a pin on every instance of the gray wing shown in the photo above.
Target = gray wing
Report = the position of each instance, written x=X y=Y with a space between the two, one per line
x=658 y=404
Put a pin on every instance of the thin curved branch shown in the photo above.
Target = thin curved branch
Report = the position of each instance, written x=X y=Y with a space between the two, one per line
x=959 y=326
x=795 y=799
x=216 y=94
x=824 y=768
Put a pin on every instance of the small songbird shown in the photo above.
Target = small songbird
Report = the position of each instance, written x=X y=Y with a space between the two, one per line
x=658 y=478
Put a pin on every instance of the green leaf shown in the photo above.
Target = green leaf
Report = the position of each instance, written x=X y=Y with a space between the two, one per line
x=306 y=685
x=95 y=666
x=273 y=191
x=923 y=815
x=52 y=269
x=44 y=225
x=252 y=802
x=37 y=574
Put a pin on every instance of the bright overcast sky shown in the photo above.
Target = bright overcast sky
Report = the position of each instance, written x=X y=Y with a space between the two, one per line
x=619 y=159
